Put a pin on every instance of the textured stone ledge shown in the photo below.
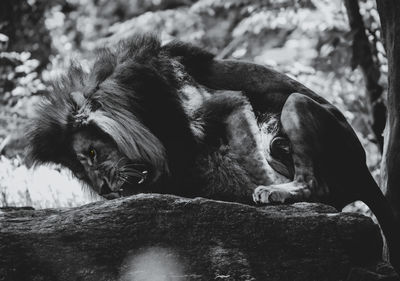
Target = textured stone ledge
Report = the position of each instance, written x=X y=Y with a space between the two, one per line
x=148 y=236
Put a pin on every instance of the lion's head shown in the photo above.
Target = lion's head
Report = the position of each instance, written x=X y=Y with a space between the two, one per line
x=120 y=127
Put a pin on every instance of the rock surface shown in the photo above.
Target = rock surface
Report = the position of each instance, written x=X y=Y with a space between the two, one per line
x=163 y=237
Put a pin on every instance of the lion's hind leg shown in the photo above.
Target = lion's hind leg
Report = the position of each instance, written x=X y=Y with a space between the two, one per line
x=304 y=121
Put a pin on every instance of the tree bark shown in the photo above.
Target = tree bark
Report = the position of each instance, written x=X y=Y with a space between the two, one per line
x=363 y=57
x=389 y=12
x=164 y=237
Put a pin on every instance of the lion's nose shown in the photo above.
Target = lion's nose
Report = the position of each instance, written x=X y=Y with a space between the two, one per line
x=105 y=188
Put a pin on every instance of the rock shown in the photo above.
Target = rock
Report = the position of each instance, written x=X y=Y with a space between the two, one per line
x=164 y=237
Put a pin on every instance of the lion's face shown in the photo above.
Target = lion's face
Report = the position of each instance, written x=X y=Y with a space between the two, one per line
x=121 y=125
x=107 y=170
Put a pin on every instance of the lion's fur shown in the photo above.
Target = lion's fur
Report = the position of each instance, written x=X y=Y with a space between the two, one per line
x=143 y=98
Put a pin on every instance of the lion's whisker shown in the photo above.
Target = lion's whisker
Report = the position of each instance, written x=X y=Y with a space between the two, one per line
x=116 y=164
x=135 y=174
x=132 y=165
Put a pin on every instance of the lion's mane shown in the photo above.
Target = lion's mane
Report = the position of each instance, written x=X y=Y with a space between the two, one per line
x=131 y=94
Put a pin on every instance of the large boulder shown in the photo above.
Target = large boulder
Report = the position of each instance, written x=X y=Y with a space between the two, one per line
x=163 y=237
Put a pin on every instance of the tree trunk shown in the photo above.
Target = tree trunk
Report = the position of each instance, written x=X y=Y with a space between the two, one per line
x=363 y=57
x=389 y=12
x=164 y=237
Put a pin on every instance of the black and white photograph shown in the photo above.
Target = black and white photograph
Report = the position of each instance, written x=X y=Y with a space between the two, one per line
x=174 y=140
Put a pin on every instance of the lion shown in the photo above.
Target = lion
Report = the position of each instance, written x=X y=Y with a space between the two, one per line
x=173 y=119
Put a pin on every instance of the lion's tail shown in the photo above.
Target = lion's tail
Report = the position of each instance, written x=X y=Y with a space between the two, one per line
x=378 y=204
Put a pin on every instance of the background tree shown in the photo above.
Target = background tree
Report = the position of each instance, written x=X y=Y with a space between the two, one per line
x=389 y=12
x=364 y=57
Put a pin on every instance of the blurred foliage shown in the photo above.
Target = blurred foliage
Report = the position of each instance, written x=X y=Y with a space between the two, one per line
x=307 y=39
x=23 y=23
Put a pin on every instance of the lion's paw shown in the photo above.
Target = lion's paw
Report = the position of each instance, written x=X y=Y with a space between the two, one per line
x=270 y=194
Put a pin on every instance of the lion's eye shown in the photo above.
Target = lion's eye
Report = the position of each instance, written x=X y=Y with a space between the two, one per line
x=92 y=153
